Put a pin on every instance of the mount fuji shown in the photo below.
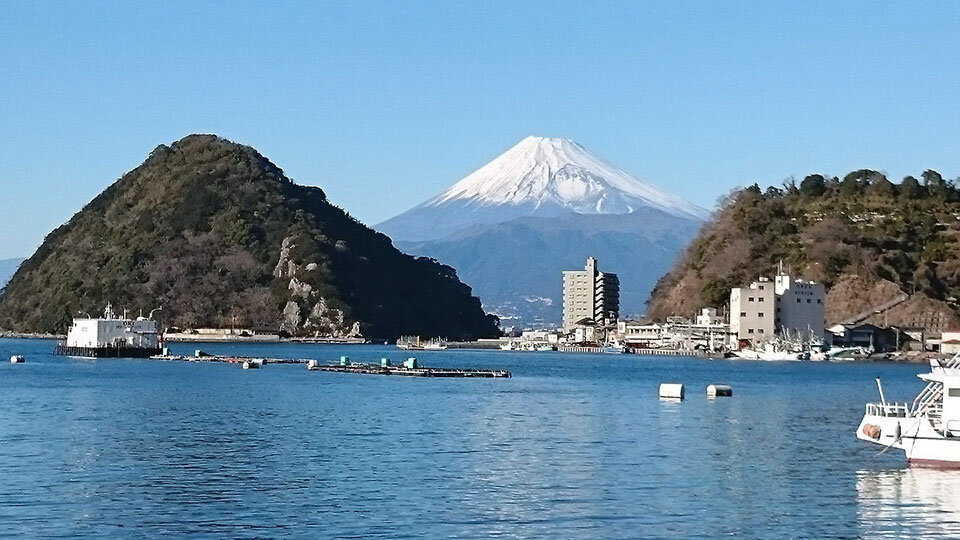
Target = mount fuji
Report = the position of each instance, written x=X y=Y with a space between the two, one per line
x=511 y=227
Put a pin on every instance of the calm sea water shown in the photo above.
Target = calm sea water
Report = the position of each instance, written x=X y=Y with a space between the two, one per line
x=573 y=446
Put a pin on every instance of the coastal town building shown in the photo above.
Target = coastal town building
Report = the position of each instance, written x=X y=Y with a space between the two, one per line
x=950 y=341
x=800 y=307
x=589 y=294
x=753 y=310
x=789 y=307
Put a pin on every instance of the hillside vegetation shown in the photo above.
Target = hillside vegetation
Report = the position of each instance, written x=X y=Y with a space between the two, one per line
x=217 y=235
x=868 y=239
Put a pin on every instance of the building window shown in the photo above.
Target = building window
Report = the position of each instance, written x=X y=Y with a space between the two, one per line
x=743 y=313
x=818 y=301
x=760 y=299
x=760 y=314
x=798 y=300
x=750 y=331
x=760 y=331
x=750 y=299
x=808 y=300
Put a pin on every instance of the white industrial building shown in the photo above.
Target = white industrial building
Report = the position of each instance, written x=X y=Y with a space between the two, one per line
x=788 y=307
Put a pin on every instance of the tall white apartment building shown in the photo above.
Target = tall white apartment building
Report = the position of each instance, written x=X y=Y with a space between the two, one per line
x=590 y=294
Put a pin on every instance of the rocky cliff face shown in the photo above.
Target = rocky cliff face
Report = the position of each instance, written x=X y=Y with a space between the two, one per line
x=888 y=253
x=218 y=235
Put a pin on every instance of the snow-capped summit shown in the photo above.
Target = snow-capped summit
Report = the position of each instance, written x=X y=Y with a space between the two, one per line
x=545 y=171
x=540 y=177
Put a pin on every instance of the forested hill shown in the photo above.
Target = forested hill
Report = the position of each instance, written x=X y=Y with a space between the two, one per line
x=219 y=236
x=868 y=239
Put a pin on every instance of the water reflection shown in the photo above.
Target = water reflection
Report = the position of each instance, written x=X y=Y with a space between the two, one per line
x=909 y=503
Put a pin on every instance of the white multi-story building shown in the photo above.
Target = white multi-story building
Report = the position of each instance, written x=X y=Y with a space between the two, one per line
x=800 y=307
x=590 y=294
x=753 y=310
x=789 y=307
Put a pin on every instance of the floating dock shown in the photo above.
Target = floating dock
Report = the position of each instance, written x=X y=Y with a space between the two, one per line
x=402 y=371
x=410 y=367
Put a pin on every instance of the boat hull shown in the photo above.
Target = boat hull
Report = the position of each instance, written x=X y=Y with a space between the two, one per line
x=107 y=352
x=922 y=445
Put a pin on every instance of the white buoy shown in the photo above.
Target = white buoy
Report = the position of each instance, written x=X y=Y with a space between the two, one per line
x=251 y=364
x=16 y=359
x=671 y=391
x=719 y=390
x=313 y=365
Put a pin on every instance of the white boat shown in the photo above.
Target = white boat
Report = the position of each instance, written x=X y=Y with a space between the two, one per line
x=410 y=343
x=928 y=429
x=544 y=348
x=509 y=346
x=435 y=345
x=772 y=352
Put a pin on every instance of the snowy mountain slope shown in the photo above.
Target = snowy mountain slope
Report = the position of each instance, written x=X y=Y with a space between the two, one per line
x=542 y=207
x=537 y=177
x=545 y=171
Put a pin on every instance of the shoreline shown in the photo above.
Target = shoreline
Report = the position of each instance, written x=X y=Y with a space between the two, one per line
x=909 y=358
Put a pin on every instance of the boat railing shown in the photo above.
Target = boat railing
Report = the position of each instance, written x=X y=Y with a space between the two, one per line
x=896 y=410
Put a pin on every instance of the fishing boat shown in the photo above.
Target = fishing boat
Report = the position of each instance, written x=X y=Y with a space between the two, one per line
x=927 y=429
x=411 y=343
x=435 y=345
x=508 y=346
x=774 y=351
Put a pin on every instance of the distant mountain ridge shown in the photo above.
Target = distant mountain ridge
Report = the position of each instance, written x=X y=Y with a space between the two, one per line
x=7 y=268
x=217 y=235
x=887 y=253
x=542 y=207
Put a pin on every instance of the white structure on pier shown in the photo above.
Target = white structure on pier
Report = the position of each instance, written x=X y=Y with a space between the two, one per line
x=112 y=331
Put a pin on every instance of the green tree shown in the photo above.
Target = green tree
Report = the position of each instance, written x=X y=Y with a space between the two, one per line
x=813 y=185
x=910 y=188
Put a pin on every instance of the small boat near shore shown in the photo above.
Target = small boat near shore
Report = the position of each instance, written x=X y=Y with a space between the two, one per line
x=435 y=345
x=771 y=352
x=928 y=429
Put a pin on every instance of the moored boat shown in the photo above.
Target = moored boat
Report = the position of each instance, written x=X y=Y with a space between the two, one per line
x=410 y=343
x=928 y=429
x=435 y=345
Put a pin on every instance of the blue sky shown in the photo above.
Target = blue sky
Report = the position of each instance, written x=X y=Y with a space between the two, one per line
x=385 y=104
